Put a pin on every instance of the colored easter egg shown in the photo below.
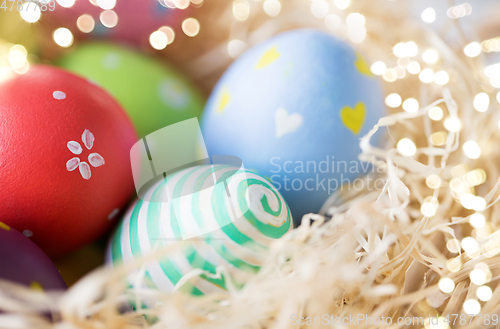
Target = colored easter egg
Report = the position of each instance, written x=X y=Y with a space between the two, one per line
x=152 y=93
x=294 y=108
x=64 y=158
x=21 y=261
x=213 y=226
x=126 y=21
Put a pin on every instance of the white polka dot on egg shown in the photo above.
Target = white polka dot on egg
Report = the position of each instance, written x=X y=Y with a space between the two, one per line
x=113 y=213
x=111 y=61
x=172 y=93
x=59 y=95
x=28 y=233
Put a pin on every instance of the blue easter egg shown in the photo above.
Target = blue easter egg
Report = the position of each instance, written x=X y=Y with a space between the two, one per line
x=294 y=109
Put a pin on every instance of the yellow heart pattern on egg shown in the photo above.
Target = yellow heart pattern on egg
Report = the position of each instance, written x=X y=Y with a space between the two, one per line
x=269 y=57
x=354 y=118
x=362 y=66
x=4 y=226
x=224 y=100
x=36 y=286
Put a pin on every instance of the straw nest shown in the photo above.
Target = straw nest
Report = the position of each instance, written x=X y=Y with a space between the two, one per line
x=370 y=253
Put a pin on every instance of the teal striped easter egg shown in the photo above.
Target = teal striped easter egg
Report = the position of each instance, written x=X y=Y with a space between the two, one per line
x=218 y=216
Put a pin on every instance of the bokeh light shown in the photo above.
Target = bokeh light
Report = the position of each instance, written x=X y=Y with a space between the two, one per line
x=411 y=49
x=472 y=306
x=390 y=75
x=400 y=50
x=453 y=124
x=356 y=27
x=477 y=220
x=66 y=3
x=429 y=15
x=435 y=113
x=319 y=8
x=481 y=102
x=473 y=49
x=441 y=78
x=332 y=22
x=410 y=105
x=106 y=4
x=459 y=171
x=109 y=18
x=393 y=100
x=446 y=285
x=236 y=47
x=169 y=32
x=439 y=138
x=406 y=147
x=355 y=19
x=17 y=56
x=430 y=56
x=475 y=177
x=181 y=4
x=413 y=67
x=478 y=277
x=459 y=11
x=454 y=265
x=484 y=293
x=241 y=9
x=272 y=7
x=63 y=37
x=191 y=27
x=433 y=181
x=491 y=45
x=429 y=207
x=85 y=23
x=400 y=72
x=436 y=323
x=470 y=201
x=30 y=12
x=342 y=4
x=408 y=49
x=21 y=70
x=158 y=40
x=472 y=150
x=453 y=245
x=378 y=68
x=426 y=76
x=469 y=245
x=404 y=62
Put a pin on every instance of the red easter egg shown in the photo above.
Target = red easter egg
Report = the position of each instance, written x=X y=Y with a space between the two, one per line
x=64 y=158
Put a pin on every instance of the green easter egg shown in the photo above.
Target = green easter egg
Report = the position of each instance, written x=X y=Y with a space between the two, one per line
x=152 y=92
x=218 y=216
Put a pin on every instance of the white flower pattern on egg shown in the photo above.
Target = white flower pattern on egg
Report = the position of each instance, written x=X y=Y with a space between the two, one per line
x=95 y=159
